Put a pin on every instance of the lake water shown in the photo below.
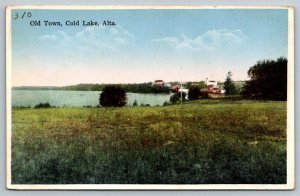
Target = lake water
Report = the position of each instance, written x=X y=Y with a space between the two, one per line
x=78 y=98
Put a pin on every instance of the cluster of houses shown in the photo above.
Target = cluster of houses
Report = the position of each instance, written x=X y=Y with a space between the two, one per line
x=161 y=83
x=212 y=89
x=174 y=88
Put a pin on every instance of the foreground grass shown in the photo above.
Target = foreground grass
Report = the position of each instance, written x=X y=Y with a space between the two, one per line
x=199 y=142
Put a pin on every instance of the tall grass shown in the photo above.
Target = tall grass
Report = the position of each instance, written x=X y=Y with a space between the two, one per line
x=197 y=143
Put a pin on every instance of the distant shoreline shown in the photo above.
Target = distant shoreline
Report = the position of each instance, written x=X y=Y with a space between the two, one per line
x=146 y=88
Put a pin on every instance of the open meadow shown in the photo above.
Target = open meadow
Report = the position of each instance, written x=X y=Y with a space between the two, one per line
x=199 y=142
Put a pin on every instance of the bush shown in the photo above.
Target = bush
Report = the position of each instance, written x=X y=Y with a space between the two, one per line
x=113 y=95
x=42 y=105
x=166 y=103
x=147 y=105
x=176 y=97
x=194 y=92
x=135 y=103
x=203 y=95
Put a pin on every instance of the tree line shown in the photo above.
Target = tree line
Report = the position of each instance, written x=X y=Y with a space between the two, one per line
x=146 y=87
x=268 y=80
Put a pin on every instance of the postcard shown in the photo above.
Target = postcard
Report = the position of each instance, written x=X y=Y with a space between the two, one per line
x=150 y=97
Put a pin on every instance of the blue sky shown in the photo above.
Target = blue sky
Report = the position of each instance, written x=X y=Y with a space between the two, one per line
x=145 y=45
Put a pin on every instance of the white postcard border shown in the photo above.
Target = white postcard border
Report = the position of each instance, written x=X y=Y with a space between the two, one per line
x=290 y=111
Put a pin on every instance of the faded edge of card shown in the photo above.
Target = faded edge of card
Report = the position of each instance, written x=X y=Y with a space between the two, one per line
x=290 y=185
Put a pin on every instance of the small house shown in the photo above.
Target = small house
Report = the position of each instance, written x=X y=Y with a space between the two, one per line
x=175 y=88
x=213 y=83
x=159 y=82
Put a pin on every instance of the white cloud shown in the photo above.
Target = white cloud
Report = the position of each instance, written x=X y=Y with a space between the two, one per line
x=46 y=38
x=90 y=39
x=60 y=40
x=210 y=40
x=104 y=38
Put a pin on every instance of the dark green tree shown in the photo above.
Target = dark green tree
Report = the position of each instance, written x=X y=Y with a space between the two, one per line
x=194 y=92
x=160 y=89
x=268 y=80
x=229 y=86
x=176 y=97
x=113 y=95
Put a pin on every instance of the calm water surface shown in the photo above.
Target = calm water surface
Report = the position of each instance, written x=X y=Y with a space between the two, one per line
x=77 y=98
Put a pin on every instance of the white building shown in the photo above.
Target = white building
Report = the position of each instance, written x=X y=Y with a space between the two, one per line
x=184 y=90
x=213 y=83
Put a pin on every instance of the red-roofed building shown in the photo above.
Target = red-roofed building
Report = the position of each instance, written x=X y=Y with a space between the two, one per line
x=159 y=82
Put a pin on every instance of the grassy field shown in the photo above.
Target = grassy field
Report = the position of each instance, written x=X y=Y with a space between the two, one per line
x=207 y=141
